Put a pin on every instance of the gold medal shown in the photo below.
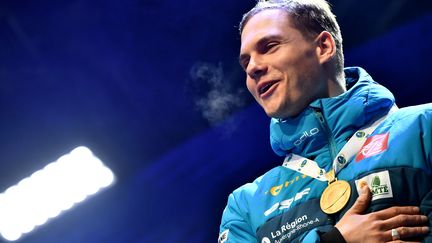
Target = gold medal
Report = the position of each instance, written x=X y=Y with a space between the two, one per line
x=335 y=196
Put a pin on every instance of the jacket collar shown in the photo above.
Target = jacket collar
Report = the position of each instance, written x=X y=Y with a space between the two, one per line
x=335 y=118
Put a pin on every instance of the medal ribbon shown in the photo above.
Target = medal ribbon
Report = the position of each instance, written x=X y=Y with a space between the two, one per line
x=350 y=149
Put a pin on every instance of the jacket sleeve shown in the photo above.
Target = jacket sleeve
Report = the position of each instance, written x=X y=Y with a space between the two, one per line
x=427 y=135
x=235 y=227
x=426 y=142
x=315 y=236
x=312 y=237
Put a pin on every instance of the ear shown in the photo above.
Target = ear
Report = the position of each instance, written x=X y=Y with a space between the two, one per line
x=326 y=47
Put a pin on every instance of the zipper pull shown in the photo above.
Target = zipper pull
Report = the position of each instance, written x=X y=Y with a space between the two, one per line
x=319 y=114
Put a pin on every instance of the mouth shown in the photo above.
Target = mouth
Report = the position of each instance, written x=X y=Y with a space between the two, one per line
x=265 y=88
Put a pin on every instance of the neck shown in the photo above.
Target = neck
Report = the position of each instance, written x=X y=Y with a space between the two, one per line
x=337 y=85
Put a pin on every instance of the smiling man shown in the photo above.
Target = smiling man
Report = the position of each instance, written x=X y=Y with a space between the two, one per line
x=284 y=71
x=356 y=168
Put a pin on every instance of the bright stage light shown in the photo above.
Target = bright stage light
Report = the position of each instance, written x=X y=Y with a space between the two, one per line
x=51 y=190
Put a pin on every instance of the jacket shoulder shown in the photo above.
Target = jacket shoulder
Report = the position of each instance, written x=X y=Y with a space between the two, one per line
x=237 y=224
x=248 y=190
x=411 y=115
x=418 y=110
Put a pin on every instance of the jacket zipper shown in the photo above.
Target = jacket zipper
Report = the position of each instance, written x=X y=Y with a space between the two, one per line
x=327 y=131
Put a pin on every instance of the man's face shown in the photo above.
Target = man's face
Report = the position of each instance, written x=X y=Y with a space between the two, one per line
x=282 y=68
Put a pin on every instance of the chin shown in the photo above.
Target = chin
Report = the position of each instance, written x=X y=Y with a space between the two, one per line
x=273 y=114
x=279 y=110
x=278 y=114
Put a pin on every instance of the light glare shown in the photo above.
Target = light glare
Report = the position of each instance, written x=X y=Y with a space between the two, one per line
x=51 y=190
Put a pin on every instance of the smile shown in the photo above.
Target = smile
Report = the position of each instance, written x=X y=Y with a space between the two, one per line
x=264 y=88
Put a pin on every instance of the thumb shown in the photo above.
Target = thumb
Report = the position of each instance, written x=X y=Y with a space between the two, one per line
x=362 y=202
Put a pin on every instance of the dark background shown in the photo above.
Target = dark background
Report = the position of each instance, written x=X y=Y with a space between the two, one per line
x=154 y=89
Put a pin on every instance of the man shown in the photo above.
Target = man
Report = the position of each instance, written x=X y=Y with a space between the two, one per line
x=354 y=162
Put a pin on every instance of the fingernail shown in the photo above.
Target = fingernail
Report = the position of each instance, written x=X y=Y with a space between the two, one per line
x=424 y=218
x=425 y=229
x=365 y=189
x=416 y=209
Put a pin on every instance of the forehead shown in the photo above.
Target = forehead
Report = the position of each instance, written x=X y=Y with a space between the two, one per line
x=268 y=22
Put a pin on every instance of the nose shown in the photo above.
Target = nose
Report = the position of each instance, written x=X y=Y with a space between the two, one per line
x=256 y=69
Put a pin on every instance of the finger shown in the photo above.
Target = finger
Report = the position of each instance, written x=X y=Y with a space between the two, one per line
x=362 y=202
x=405 y=220
x=408 y=232
x=399 y=241
x=397 y=210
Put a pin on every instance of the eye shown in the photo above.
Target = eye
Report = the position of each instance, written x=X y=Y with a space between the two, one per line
x=267 y=47
x=271 y=45
x=244 y=62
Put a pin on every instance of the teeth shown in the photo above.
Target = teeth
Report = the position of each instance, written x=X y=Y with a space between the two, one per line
x=266 y=87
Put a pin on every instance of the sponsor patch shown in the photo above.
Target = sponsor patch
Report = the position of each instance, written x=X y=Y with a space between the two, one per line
x=223 y=237
x=379 y=183
x=288 y=226
x=373 y=145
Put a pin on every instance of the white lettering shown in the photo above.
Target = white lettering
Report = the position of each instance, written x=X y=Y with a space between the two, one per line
x=293 y=226
x=271 y=210
x=306 y=135
x=299 y=195
x=286 y=203
x=275 y=234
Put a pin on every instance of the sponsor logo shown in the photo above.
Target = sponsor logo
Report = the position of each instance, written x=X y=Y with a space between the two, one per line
x=303 y=163
x=379 y=183
x=305 y=135
x=360 y=134
x=373 y=145
x=377 y=187
x=286 y=203
x=265 y=240
x=341 y=160
x=286 y=231
x=223 y=237
x=288 y=226
x=275 y=190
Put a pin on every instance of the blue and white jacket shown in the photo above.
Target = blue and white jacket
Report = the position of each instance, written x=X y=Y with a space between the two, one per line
x=396 y=161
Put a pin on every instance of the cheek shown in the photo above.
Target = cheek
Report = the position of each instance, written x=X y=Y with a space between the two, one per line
x=250 y=84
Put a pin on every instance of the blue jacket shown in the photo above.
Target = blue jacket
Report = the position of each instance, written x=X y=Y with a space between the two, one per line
x=283 y=205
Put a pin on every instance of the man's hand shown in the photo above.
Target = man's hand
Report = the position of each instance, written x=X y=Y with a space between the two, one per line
x=377 y=226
